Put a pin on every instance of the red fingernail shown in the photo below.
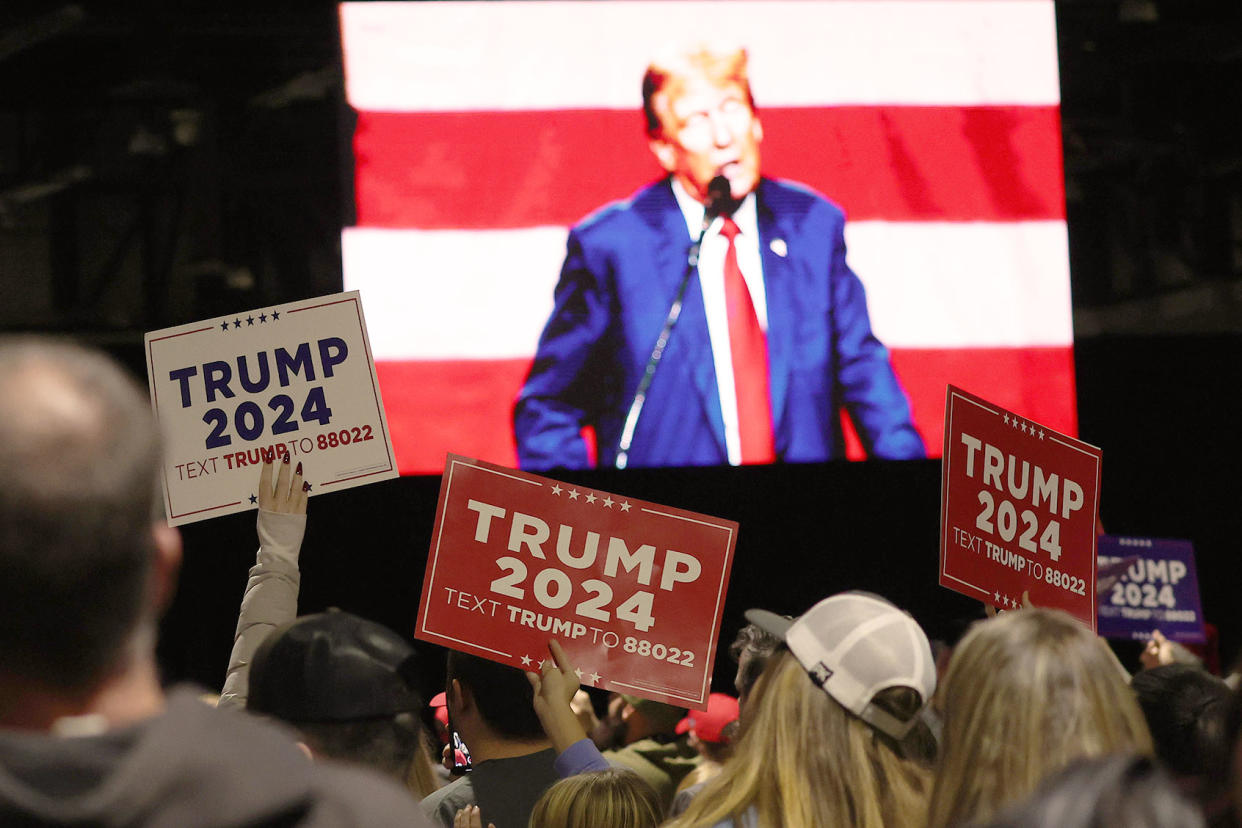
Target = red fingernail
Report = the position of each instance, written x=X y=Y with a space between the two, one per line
x=286 y=457
x=299 y=469
x=305 y=487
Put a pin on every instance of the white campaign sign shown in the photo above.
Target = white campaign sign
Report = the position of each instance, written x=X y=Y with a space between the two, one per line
x=295 y=379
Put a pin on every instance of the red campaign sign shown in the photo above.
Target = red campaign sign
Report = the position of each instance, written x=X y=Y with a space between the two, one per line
x=1018 y=510
x=633 y=590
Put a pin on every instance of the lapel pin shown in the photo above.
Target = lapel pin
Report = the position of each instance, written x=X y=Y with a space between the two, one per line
x=779 y=248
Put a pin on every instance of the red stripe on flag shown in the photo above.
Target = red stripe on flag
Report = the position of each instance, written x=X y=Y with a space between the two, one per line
x=439 y=406
x=1035 y=383
x=465 y=406
x=436 y=170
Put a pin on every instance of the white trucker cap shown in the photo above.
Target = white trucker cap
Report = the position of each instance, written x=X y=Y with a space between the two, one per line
x=855 y=645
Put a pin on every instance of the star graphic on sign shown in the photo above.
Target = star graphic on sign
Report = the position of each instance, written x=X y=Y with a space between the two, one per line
x=591 y=497
x=573 y=494
x=578 y=673
x=306 y=487
x=1024 y=428
x=249 y=321
x=275 y=315
x=608 y=501
x=236 y=323
x=224 y=326
x=526 y=661
x=1006 y=419
x=262 y=318
x=595 y=677
x=1041 y=434
x=556 y=489
x=996 y=597
x=625 y=506
x=254 y=499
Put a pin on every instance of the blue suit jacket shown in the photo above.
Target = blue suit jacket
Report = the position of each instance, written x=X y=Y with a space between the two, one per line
x=621 y=273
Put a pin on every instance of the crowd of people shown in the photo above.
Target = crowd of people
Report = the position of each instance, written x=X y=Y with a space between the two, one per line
x=845 y=715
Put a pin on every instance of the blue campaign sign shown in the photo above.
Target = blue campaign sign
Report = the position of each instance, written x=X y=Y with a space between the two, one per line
x=1147 y=584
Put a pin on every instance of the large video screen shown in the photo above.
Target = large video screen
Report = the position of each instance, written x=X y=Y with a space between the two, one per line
x=522 y=227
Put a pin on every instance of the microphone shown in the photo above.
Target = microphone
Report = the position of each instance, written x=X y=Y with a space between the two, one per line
x=719 y=203
x=719 y=200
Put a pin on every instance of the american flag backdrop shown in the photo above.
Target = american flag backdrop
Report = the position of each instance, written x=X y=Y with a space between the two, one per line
x=484 y=130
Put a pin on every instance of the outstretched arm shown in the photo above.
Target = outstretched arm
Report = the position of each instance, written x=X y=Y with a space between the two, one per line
x=555 y=686
x=271 y=596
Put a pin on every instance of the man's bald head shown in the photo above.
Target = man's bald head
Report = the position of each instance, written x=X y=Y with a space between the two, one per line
x=79 y=455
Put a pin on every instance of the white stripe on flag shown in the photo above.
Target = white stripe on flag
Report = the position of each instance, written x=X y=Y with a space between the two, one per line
x=464 y=56
x=453 y=294
x=949 y=285
x=459 y=294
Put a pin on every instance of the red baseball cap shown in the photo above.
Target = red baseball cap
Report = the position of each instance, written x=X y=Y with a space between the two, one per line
x=709 y=724
x=440 y=702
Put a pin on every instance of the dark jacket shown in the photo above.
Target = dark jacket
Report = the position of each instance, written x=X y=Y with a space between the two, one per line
x=191 y=766
x=622 y=270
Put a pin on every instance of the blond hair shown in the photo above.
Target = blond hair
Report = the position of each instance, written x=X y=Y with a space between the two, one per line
x=803 y=761
x=1026 y=693
x=720 y=63
x=613 y=798
x=421 y=777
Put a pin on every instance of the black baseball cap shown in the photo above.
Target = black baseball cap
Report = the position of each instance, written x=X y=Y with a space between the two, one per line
x=333 y=667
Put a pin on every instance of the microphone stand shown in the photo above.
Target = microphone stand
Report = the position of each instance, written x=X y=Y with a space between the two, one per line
x=718 y=197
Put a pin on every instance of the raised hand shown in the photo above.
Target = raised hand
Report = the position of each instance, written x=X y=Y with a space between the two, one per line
x=288 y=494
x=469 y=817
x=555 y=685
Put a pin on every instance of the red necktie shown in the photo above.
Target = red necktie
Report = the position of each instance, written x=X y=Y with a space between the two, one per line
x=749 y=348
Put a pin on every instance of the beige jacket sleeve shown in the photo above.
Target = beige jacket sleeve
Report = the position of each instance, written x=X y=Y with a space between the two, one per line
x=271 y=598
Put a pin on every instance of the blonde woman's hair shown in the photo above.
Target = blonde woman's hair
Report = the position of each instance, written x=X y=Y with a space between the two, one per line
x=421 y=778
x=613 y=798
x=1025 y=694
x=804 y=761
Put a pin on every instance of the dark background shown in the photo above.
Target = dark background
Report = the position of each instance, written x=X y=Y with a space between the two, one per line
x=160 y=165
